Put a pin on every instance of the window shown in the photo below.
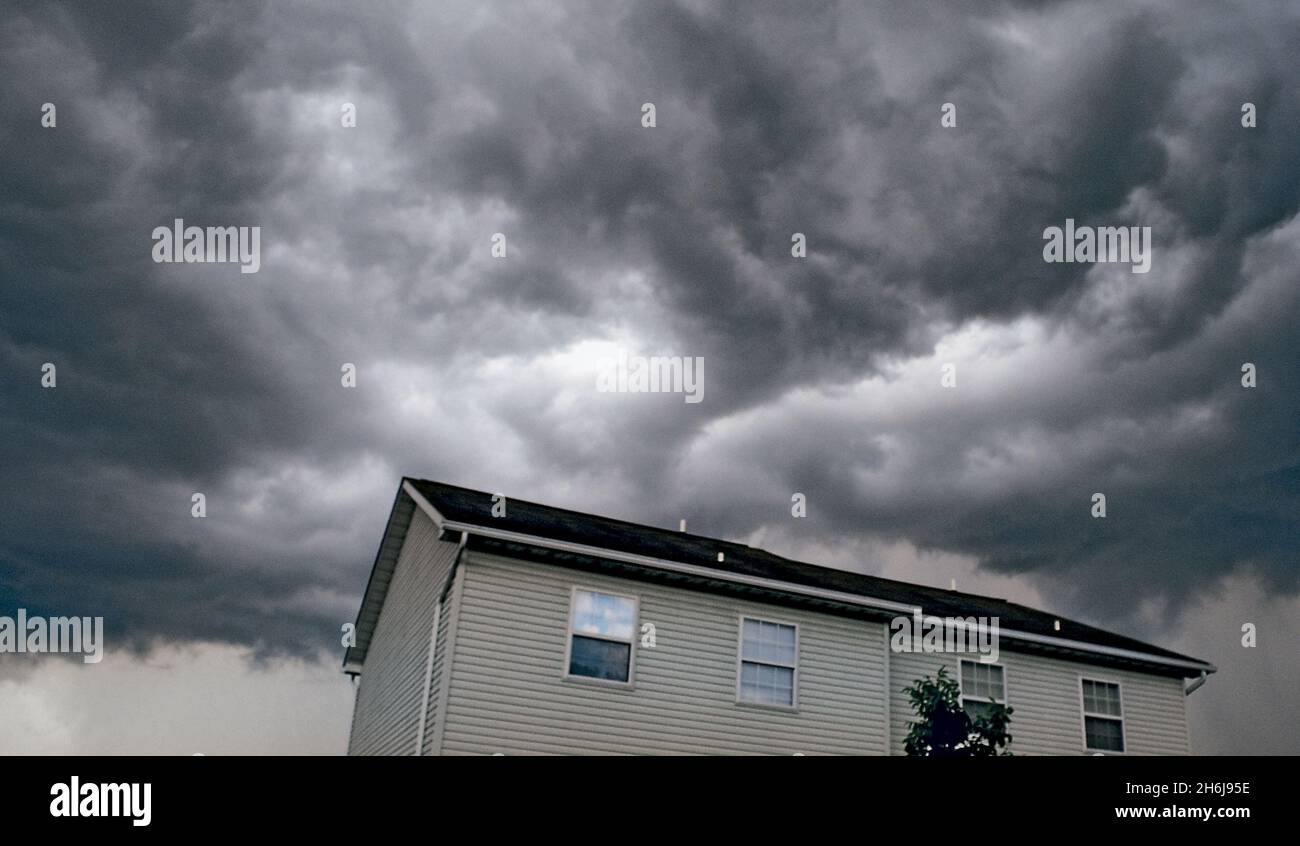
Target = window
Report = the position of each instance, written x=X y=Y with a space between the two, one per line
x=1103 y=716
x=768 y=659
x=601 y=627
x=981 y=686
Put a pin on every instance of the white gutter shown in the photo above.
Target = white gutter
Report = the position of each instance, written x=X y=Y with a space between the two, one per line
x=1194 y=686
x=774 y=584
x=1116 y=652
x=687 y=569
x=428 y=680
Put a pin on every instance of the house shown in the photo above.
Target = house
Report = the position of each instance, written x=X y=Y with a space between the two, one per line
x=500 y=626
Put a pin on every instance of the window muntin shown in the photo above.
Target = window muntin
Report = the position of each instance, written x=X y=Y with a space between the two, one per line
x=768 y=662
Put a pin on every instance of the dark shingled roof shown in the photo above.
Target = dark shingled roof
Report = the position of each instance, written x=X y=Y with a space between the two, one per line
x=462 y=505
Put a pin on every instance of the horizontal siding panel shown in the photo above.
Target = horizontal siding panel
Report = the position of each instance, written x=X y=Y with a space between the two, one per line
x=504 y=699
x=508 y=693
x=686 y=735
x=1048 y=718
x=387 y=710
x=697 y=674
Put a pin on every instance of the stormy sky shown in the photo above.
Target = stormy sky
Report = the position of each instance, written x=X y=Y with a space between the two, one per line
x=822 y=374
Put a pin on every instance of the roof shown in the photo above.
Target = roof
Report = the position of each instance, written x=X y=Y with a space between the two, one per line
x=532 y=524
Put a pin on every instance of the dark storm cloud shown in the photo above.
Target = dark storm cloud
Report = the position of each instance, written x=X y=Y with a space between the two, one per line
x=821 y=373
x=154 y=388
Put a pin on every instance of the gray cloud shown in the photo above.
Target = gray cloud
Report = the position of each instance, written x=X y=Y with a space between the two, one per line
x=821 y=373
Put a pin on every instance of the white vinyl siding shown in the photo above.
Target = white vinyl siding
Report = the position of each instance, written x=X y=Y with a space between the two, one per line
x=508 y=693
x=386 y=715
x=1048 y=713
x=435 y=682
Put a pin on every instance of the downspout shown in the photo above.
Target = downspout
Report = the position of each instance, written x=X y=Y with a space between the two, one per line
x=889 y=729
x=1192 y=688
x=433 y=645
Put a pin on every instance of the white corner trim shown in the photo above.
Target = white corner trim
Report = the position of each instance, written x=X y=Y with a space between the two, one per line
x=428 y=678
x=418 y=498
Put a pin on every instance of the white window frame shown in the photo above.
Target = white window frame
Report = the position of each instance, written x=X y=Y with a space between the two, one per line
x=1006 y=684
x=569 y=634
x=1085 y=714
x=740 y=662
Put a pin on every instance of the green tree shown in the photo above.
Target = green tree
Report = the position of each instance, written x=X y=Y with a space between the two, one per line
x=944 y=730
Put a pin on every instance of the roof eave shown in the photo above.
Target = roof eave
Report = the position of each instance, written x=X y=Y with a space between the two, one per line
x=1191 y=667
x=399 y=521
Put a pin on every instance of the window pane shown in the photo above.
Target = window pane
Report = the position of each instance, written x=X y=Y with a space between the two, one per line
x=769 y=643
x=984 y=681
x=774 y=653
x=1101 y=698
x=599 y=659
x=766 y=685
x=1104 y=735
x=603 y=615
x=750 y=646
x=782 y=686
x=997 y=685
x=1110 y=699
x=785 y=643
x=1089 y=696
x=976 y=710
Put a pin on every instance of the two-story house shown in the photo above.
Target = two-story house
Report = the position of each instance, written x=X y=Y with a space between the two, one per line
x=529 y=629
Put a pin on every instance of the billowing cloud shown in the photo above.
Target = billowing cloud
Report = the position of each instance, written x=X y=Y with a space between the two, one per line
x=822 y=374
